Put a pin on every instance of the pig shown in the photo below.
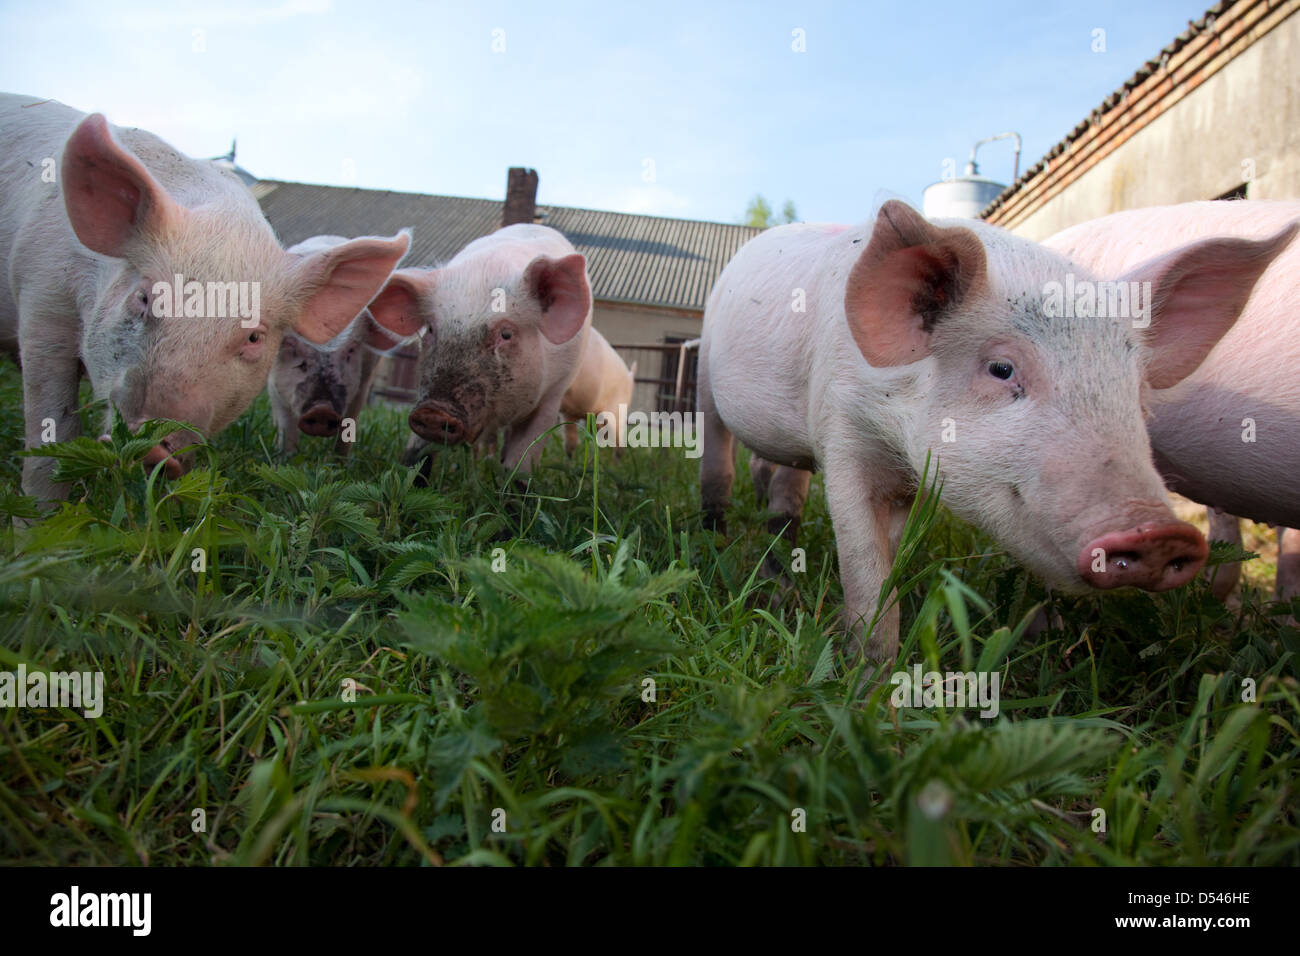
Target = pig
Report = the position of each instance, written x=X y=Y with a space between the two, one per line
x=1227 y=436
x=96 y=225
x=602 y=383
x=504 y=324
x=315 y=389
x=863 y=350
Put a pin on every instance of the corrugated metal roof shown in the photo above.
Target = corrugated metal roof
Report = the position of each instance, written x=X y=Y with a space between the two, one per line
x=647 y=260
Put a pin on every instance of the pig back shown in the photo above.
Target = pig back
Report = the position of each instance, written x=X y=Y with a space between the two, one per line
x=774 y=330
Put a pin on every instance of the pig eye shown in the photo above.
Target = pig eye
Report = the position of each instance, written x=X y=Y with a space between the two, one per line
x=255 y=337
x=140 y=303
x=506 y=335
x=1002 y=370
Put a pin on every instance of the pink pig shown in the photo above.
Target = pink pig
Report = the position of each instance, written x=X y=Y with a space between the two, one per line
x=318 y=389
x=862 y=351
x=504 y=326
x=1228 y=435
x=154 y=271
x=603 y=382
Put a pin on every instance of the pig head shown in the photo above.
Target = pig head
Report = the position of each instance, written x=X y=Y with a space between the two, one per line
x=158 y=274
x=315 y=389
x=503 y=327
x=1039 y=408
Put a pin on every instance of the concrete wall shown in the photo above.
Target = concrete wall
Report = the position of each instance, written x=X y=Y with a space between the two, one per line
x=1248 y=113
x=625 y=325
x=643 y=325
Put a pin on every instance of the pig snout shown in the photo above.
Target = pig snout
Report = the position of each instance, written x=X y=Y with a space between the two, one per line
x=320 y=420
x=1154 y=557
x=172 y=468
x=437 y=421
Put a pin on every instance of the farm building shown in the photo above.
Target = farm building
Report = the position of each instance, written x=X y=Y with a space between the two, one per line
x=1215 y=115
x=649 y=275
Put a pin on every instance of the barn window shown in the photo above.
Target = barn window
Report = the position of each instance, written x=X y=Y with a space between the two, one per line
x=668 y=399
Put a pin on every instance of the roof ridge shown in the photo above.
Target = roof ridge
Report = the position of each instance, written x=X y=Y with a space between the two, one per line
x=499 y=202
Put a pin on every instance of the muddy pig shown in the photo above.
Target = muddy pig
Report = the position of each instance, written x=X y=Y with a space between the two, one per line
x=320 y=390
x=504 y=326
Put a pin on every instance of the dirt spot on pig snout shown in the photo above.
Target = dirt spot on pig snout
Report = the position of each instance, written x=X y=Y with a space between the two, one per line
x=471 y=388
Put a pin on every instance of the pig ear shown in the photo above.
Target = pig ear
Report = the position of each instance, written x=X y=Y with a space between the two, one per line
x=910 y=274
x=397 y=307
x=374 y=336
x=342 y=280
x=110 y=197
x=1197 y=293
x=292 y=345
x=560 y=287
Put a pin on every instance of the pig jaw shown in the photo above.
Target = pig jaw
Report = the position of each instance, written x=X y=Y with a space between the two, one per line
x=1072 y=510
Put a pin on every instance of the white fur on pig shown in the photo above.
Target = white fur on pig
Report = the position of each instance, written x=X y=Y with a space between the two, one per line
x=1048 y=461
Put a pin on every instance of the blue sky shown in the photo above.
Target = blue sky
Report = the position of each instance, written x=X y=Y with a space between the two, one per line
x=666 y=108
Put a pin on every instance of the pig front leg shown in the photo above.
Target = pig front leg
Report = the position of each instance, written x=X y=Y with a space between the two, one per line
x=50 y=380
x=286 y=423
x=486 y=446
x=1224 y=527
x=519 y=447
x=865 y=522
x=784 y=490
x=570 y=438
x=287 y=428
x=1288 y=563
x=717 y=456
x=415 y=445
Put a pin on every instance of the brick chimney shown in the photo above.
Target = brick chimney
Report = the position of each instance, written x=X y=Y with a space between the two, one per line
x=521 y=196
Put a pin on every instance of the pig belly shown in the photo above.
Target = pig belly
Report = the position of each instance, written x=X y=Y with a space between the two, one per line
x=762 y=404
x=1201 y=439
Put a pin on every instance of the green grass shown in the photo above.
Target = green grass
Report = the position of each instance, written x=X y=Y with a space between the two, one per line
x=351 y=682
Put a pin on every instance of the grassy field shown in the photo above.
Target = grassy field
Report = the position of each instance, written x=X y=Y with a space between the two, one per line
x=359 y=677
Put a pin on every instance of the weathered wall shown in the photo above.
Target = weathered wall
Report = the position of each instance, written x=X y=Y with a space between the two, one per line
x=1241 y=125
x=640 y=325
